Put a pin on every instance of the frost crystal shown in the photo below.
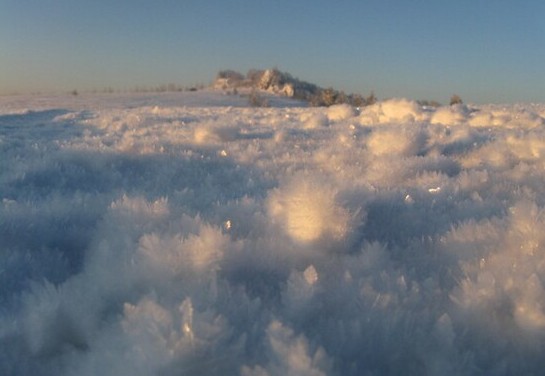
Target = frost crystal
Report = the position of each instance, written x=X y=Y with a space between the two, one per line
x=186 y=309
x=311 y=275
x=186 y=233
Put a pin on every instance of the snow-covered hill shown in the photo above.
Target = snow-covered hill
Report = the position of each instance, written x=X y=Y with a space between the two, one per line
x=186 y=233
x=273 y=81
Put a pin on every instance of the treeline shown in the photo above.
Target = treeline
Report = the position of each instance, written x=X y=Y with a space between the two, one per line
x=163 y=88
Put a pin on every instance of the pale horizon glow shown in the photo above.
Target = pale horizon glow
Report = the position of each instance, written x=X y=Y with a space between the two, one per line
x=485 y=52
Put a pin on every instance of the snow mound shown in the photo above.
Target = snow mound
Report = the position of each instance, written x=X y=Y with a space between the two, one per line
x=314 y=120
x=505 y=118
x=392 y=110
x=340 y=112
x=395 y=142
x=451 y=115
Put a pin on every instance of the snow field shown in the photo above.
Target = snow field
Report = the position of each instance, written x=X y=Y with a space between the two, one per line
x=183 y=235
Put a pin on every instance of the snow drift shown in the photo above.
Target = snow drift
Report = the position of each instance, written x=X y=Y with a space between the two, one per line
x=188 y=234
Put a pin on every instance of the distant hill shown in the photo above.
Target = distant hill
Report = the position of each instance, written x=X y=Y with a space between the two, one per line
x=282 y=83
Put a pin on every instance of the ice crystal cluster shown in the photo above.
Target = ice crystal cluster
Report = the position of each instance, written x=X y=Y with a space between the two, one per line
x=187 y=234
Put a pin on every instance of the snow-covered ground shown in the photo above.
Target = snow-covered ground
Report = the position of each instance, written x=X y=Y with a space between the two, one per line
x=188 y=234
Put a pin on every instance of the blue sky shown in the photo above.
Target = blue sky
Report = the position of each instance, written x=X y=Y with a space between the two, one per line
x=485 y=51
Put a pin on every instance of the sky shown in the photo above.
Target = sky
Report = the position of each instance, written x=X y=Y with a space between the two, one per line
x=484 y=51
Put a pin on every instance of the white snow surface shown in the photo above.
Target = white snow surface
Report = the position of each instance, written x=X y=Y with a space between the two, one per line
x=188 y=234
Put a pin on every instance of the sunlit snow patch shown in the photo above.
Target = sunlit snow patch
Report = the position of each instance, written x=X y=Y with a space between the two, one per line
x=396 y=141
x=307 y=210
x=392 y=111
x=450 y=115
x=340 y=112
